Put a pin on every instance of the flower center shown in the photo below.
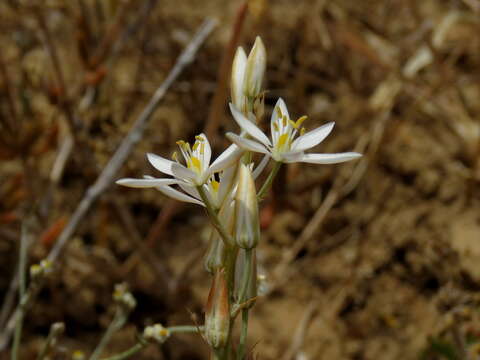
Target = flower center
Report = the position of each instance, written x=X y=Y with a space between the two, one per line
x=284 y=131
x=194 y=156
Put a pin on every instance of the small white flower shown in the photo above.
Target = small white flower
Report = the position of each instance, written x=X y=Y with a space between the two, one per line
x=284 y=146
x=197 y=172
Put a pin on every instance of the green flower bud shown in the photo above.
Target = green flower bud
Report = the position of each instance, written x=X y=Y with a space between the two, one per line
x=247 y=224
x=256 y=63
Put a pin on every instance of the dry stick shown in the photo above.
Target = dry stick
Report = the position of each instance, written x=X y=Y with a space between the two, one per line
x=123 y=151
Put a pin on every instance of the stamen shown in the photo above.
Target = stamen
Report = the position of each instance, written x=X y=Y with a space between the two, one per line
x=175 y=156
x=282 y=140
x=199 y=138
x=195 y=146
x=215 y=185
x=300 y=121
x=279 y=112
x=302 y=131
x=195 y=162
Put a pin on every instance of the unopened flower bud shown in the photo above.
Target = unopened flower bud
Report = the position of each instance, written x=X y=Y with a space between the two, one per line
x=255 y=69
x=41 y=270
x=124 y=297
x=238 y=77
x=217 y=313
x=240 y=272
x=156 y=333
x=247 y=225
x=215 y=258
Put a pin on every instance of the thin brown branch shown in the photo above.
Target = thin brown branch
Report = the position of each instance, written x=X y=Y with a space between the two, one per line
x=118 y=159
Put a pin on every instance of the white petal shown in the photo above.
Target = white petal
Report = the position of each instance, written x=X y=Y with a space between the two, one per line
x=247 y=144
x=160 y=163
x=327 y=158
x=225 y=159
x=283 y=107
x=258 y=170
x=190 y=190
x=181 y=172
x=207 y=155
x=177 y=195
x=249 y=126
x=312 y=138
x=145 y=183
x=227 y=177
x=238 y=76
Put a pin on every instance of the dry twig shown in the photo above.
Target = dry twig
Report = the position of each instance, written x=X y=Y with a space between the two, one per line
x=107 y=175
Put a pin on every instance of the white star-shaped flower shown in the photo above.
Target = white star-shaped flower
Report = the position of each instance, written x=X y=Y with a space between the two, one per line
x=284 y=145
x=197 y=172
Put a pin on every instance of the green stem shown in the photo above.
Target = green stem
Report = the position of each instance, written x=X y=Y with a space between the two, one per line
x=142 y=342
x=243 y=335
x=268 y=183
x=22 y=276
x=243 y=298
x=117 y=322
x=214 y=217
x=185 y=329
x=128 y=353
x=246 y=275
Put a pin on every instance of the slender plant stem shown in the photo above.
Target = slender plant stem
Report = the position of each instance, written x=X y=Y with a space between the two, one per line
x=227 y=238
x=243 y=298
x=243 y=335
x=117 y=322
x=142 y=342
x=128 y=353
x=268 y=183
x=185 y=329
x=22 y=276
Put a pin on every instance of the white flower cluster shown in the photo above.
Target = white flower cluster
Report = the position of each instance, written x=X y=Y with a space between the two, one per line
x=226 y=188
x=198 y=175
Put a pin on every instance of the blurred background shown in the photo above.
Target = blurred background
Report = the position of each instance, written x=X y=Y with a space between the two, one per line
x=373 y=259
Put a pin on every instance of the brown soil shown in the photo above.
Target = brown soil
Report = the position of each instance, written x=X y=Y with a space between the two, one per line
x=377 y=259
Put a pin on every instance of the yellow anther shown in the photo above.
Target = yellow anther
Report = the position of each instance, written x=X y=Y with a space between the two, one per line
x=163 y=332
x=180 y=143
x=282 y=140
x=200 y=138
x=195 y=146
x=300 y=121
x=292 y=123
x=279 y=112
x=302 y=131
x=175 y=156
x=215 y=185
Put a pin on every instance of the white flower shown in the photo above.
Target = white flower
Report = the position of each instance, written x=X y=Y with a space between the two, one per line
x=283 y=146
x=197 y=172
x=247 y=75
